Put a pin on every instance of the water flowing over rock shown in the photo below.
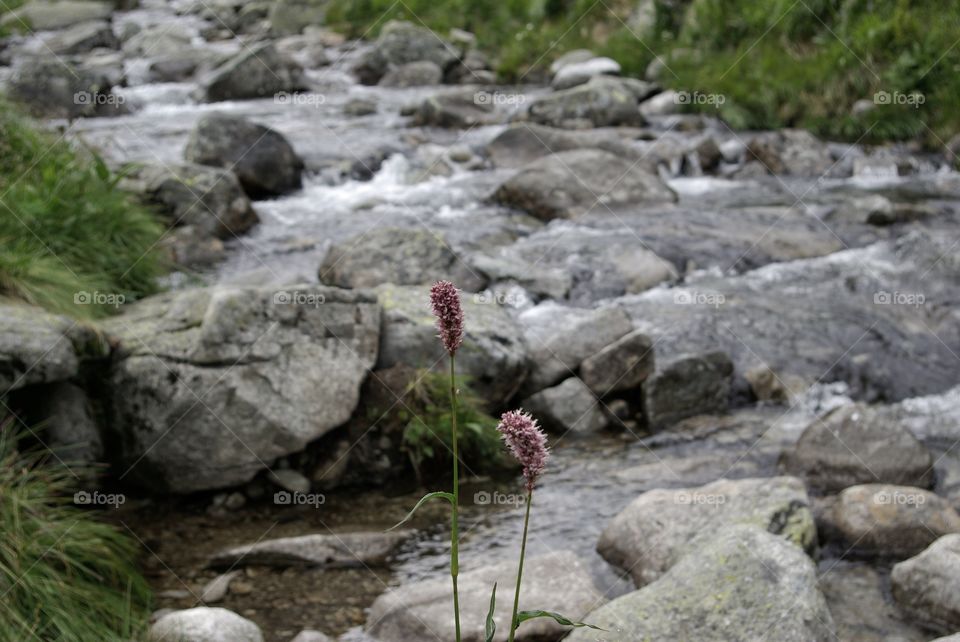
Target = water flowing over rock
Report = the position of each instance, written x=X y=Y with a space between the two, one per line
x=262 y=159
x=928 y=586
x=400 y=43
x=204 y=624
x=256 y=72
x=557 y=582
x=210 y=385
x=661 y=526
x=739 y=584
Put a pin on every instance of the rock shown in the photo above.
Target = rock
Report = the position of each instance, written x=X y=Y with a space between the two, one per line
x=708 y=154
x=874 y=210
x=289 y=480
x=291 y=17
x=360 y=107
x=262 y=159
x=687 y=385
x=663 y=104
x=791 y=151
x=557 y=582
x=561 y=339
x=550 y=283
x=39 y=347
x=70 y=431
x=493 y=355
x=572 y=57
x=216 y=589
x=207 y=198
x=458 y=109
x=309 y=635
x=661 y=526
x=51 y=88
x=578 y=73
x=309 y=51
x=173 y=68
x=204 y=624
x=567 y=407
x=158 y=41
x=577 y=182
x=622 y=365
x=413 y=74
x=398 y=256
x=522 y=143
x=856 y=444
x=328 y=551
x=892 y=521
x=209 y=384
x=740 y=584
x=256 y=72
x=192 y=247
x=927 y=586
x=83 y=37
x=400 y=43
x=861 y=607
x=601 y=102
x=60 y=14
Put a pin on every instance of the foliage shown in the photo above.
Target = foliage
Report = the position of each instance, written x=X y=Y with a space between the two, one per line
x=63 y=574
x=65 y=227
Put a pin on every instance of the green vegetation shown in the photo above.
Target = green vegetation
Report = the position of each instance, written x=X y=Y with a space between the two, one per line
x=780 y=63
x=65 y=228
x=427 y=435
x=63 y=575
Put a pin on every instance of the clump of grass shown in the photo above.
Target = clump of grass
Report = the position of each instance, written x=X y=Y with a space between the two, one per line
x=63 y=574
x=65 y=227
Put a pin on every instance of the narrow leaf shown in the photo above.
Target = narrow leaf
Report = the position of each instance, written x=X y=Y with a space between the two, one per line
x=434 y=495
x=491 y=628
x=523 y=616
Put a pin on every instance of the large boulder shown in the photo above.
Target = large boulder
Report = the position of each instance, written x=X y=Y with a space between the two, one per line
x=686 y=385
x=857 y=444
x=399 y=256
x=493 y=354
x=262 y=159
x=792 y=151
x=400 y=43
x=558 y=582
x=568 y=406
x=522 y=143
x=601 y=102
x=927 y=586
x=887 y=520
x=329 y=551
x=740 y=584
x=457 y=109
x=573 y=183
x=210 y=385
x=83 y=37
x=622 y=365
x=659 y=527
x=204 y=624
x=256 y=72
x=52 y=88
x=38 y=15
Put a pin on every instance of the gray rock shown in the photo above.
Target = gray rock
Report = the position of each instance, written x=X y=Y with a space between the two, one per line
x=601 y=102
x=69 y=428
x=663 y=104
x=157 y=41
x=399 y=43
x=309 y=635
x=289 y=480
x=83 y=37
x=573 y=74
x=204 y=624
x=360 y=107
x=51 y=88
x=413 y=74
x=792 y=151
x=686 y=385
x=290 y=17
x=550 y=283
x=571 y=58
x=856 y=444
x=558 y=582
x=210 y=384
x=892 y=521
x=256 y=72
x=577 y=182
x=398 y=256
x=658 y=528
x=457 y=109
x=262 y=159
x=567 y=407
x=308 y=50
x=173 y=68
x=740 y=584
x=45 y=16
x=216 y=589
x=522 y=143
x=927 y=586
x=493 y=355
x=328 y=551
x=622 y=365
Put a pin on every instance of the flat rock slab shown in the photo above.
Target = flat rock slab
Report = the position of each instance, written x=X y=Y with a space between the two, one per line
x=327 y=550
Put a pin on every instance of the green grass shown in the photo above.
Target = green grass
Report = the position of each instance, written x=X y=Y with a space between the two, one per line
x=63 y=575
x=780 y=63
x=65 y=227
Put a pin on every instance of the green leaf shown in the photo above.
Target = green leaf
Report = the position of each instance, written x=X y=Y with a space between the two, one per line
x=491 y=627
x=523 y=616
x=434 y=495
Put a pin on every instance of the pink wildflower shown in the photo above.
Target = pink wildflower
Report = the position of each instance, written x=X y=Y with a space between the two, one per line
x=527 y=443
x=445 y=302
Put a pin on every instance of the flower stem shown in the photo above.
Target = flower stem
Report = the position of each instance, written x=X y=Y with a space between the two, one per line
x=523 y=551
x=454 y=526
